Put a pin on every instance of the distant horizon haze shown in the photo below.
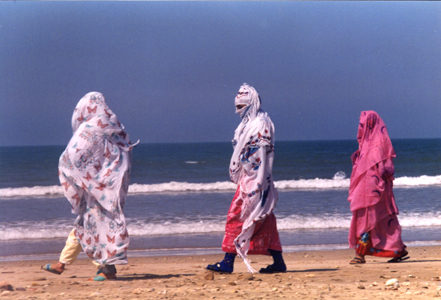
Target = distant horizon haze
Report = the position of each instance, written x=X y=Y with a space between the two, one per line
x=170 y=70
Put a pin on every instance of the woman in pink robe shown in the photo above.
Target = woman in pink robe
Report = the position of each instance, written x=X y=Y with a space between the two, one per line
x=375 y=229
x=251 y=226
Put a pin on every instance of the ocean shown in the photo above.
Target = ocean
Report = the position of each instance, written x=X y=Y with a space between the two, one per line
x=180 y=194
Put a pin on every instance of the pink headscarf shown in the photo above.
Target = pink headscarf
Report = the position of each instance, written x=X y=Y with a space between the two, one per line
x=374 y=147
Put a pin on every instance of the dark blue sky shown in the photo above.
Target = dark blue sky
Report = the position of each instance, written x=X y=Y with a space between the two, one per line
x=170 y=70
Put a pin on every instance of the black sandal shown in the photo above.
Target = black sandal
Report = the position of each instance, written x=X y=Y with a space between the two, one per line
x=399 y=259
x=357 y=260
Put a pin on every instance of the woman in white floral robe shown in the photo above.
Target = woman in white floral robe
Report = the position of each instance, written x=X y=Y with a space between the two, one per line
x=94 y=172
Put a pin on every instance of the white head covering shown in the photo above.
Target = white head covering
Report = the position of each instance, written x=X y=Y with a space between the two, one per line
x=94 y=115
x=247 y=96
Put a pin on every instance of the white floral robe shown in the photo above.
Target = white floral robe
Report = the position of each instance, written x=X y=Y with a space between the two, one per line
x=94 y=172
x=251 y=169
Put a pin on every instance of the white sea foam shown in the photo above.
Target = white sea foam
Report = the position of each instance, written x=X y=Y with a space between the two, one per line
x=36 y=191
x=35 y=230
x=338 y=182
x=174 y=186
x=169 y=228
x=420 y=181
x=142 y=227
x=296 y=222
x=41 y=230
x=312 y=184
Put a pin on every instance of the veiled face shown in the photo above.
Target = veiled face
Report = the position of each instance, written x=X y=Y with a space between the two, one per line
x=242 y=97
x=243 y=92
x=360 y=131
x=242 y=100
x=369 y=126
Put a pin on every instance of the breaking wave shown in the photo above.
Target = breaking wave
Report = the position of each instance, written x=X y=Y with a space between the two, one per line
x=32 y=230
x=339 y=181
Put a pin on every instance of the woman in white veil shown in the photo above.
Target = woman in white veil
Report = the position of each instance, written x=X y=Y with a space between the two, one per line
x=251 y=226
x=94 y=172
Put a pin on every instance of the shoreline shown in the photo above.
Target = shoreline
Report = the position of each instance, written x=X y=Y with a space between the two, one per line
x=323 y=274
x=194 y=251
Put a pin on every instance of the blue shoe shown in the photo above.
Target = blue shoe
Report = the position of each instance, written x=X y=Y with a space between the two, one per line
x=220 y=268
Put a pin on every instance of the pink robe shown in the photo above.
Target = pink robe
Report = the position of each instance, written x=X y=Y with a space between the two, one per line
x=371 y=197
x=265 y=235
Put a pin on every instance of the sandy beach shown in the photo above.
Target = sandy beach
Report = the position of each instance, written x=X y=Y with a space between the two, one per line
x=310 y=275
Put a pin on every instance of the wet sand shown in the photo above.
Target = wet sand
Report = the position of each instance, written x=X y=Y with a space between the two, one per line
x=310 y=275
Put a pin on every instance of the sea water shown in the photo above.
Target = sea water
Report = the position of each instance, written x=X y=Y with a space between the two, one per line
x=180 y=194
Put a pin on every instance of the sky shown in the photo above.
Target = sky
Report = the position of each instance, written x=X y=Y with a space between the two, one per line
x=171 y=70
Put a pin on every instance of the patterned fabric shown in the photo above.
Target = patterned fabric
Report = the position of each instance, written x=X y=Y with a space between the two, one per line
x=94 y=172
x=364 y=247
x=371 y=197
x=251 y=169
x=265 y=235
